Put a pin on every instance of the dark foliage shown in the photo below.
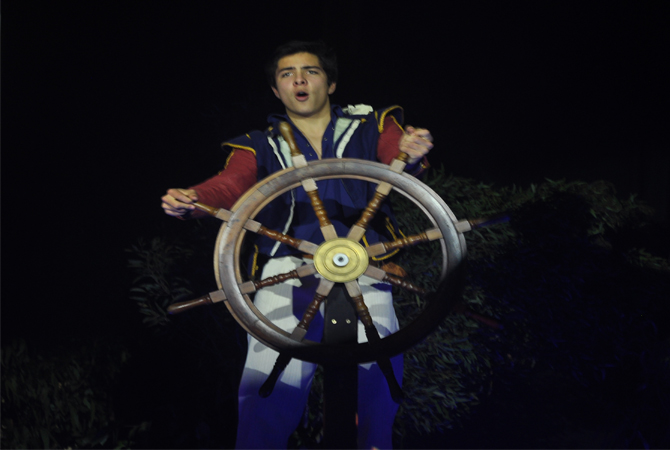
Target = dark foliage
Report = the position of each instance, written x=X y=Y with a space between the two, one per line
x=63 y=398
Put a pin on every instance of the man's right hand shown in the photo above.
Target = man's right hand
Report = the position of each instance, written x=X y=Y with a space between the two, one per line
x=179 y=202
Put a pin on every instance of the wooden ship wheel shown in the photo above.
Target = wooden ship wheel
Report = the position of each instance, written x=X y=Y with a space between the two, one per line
x=339 y=259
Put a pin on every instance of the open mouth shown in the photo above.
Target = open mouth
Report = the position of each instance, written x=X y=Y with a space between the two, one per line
x=302 y=95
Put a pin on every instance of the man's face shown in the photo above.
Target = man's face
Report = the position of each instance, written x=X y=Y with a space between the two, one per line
x=302 y=85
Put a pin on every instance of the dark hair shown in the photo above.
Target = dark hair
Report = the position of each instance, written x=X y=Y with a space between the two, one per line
x=326 y=55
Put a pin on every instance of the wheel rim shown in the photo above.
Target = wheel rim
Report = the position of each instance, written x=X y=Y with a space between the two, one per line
x=231 y=236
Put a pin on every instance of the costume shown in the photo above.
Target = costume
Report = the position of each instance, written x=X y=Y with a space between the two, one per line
x=356 y=133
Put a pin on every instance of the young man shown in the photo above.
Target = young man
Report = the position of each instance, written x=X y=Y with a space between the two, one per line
x=303 y=75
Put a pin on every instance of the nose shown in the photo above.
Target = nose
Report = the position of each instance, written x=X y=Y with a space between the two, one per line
x=299 y=79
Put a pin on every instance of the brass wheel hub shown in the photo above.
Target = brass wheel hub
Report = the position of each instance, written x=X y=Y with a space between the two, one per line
x=341 y=260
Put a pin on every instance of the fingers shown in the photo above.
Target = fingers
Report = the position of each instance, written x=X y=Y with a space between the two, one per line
x=421 y=132
x=178 y=202
x=416 y=142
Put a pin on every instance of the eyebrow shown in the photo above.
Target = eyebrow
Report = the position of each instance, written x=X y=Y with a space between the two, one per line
x=302 y=67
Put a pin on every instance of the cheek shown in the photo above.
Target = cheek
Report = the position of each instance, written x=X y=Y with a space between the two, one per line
x=278 y=91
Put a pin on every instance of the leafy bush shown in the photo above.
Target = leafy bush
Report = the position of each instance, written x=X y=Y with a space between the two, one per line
x=205 y=345
x=62 y=400
x=528 y=276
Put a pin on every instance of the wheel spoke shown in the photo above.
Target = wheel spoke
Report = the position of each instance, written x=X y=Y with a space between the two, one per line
x=358 y=230
x=356 y=295
x=399 y=163
x=465 y=225
x=207 y=299
x=320 y=295
x=381 y=275
x=384 y=247
x=308 y=184
x=296 y=155
x=312 y=191
x=302 y=245
x=372 y=334
x=219 y=213
x=257 y=227
x=298 y=334
x=252 y=286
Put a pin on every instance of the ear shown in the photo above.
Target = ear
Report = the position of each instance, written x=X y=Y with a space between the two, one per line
x=332 y=87
x=274 y=89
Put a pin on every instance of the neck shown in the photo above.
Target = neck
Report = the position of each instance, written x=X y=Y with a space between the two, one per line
x=313 y=125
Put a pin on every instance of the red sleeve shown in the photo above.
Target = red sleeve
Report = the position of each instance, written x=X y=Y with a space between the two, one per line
x=223 y=190
x=387 y=146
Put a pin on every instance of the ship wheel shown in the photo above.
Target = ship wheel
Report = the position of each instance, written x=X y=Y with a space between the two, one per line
x=339 y=259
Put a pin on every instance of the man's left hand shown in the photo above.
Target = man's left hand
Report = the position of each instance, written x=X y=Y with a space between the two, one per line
x=416 y=142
